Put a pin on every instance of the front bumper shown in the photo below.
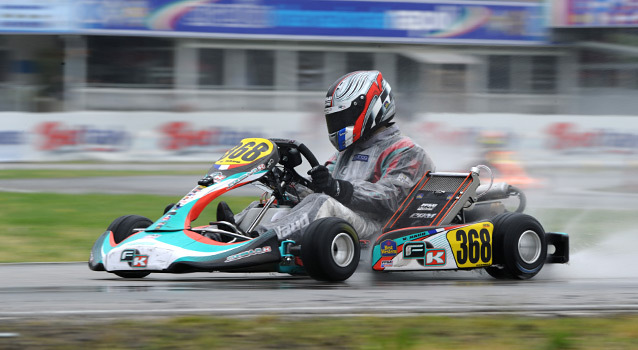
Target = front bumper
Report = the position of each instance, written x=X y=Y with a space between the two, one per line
x=155 y=256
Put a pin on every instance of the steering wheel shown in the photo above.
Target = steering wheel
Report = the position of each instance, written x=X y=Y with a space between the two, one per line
x=291 y=152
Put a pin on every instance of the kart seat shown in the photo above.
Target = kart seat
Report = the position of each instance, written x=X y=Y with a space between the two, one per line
x=435 y=200
x=224 y=213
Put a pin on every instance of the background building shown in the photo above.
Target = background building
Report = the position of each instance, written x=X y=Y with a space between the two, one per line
x=182 y=80
x=447 y=56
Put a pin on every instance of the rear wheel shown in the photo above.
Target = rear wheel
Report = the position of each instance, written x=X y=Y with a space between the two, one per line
x=124 y=227
x=330 y=250
x=520 y=247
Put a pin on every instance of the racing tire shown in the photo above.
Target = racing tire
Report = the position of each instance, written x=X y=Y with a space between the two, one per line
x=122 y=228
x=330 y=250
x=168 y=207
x=519 y=247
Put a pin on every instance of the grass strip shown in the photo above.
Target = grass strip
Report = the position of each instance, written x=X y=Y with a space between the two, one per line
x=9 y=174
x=274 y=332
x=62 y=227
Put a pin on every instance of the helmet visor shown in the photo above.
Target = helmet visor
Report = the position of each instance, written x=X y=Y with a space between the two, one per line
x=346 y=117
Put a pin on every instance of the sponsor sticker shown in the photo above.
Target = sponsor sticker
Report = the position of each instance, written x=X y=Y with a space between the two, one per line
x=414 y=250
x=435 y=257
x=133 y=258
x=417 y=250
x=388 y=248
x=386 y=263
x=248 y=253
x=259 y=168
x=296 y=225
x=189 y=196
x=422 y=216
x=140 y=261
x=403 y=178
x=360 y=158
x=328 y=102
x=427 y=207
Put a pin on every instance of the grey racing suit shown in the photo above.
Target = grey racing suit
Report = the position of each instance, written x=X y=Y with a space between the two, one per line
x=382 y=169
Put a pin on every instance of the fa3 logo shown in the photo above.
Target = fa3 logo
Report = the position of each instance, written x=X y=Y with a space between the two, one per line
x=134 y=259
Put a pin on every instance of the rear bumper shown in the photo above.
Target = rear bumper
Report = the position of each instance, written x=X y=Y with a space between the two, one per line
x=560 y=243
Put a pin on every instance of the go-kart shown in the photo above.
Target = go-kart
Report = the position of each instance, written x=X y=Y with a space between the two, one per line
x=450 y=222
x=134 y=246
x=447 y=222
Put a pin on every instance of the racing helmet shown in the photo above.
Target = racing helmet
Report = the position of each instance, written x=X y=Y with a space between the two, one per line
x=357 y=104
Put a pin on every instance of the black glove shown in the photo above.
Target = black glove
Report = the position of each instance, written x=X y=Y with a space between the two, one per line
x=323 y=181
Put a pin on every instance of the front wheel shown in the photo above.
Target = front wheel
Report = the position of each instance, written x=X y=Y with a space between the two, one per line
x=330 y=250
x=520 y=246
x=124 y=227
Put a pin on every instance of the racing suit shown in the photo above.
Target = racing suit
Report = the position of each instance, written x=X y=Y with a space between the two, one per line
x=382 y=171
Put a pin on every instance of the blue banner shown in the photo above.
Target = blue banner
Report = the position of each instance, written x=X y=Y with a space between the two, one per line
x=375 y=21
x=599 y=13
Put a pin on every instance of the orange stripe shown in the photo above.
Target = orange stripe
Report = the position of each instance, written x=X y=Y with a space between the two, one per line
x=405 y=200
x=447 y=205
x=408 y=197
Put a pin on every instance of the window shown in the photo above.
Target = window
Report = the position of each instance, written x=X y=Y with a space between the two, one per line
x=598 y=78
x=544 y=74
x=260 y=72
x=310 y=68
x=408 y=74
x=359 y=61
x=144 y=62
x=452 y=78
x=4 y=66
x=602 y=70
x=498 y=73
x=211 y=67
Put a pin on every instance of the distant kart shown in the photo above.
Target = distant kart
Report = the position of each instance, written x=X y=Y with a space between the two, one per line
x=507 y=168
x=443 y=224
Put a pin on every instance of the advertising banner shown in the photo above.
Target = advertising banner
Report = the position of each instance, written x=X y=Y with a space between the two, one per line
x=549 y=140
x=453 y=140
x=386 y=21
x=36 y=16
x=140 y=136
x=595 y=13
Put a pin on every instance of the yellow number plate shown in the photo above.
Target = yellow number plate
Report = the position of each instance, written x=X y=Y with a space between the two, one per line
x=246 y=152
x=472 y=245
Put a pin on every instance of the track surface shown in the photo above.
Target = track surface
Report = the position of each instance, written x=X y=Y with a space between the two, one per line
x=70 y=289
x=598 y=279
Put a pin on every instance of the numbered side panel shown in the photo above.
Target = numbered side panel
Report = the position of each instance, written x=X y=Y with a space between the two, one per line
x=247 y=154
x=472 y=245
x=435 y=248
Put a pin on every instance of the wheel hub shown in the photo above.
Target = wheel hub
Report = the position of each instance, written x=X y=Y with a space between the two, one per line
x=529 y=247
x=342 y=249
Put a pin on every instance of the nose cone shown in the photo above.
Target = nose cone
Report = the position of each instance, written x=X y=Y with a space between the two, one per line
x=152 y=257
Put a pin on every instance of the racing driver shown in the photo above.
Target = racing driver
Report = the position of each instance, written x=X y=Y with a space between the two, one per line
x=373 y=170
